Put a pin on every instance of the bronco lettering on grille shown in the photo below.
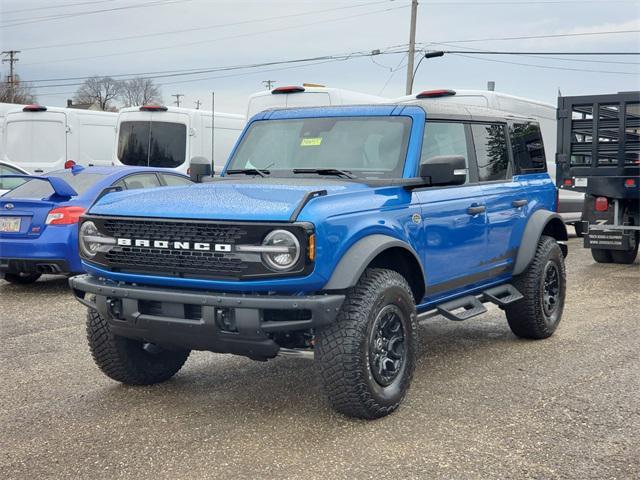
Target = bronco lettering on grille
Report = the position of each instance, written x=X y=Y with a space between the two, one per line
x=200 y=246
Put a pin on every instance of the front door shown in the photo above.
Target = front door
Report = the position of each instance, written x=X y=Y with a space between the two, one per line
x=453 y=218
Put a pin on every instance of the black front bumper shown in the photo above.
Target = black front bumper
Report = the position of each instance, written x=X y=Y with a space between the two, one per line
x=193 y=319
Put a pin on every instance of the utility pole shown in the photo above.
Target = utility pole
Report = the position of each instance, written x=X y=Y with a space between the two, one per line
x=177 y=95
x=412 y=46
x=268 y=83
x=198 y=102
x=11 y=79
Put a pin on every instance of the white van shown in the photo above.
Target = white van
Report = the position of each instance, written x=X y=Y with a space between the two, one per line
x=4 y=108
x=41 y=139
x=159 y=136
x=307 y=95
x=570 y=203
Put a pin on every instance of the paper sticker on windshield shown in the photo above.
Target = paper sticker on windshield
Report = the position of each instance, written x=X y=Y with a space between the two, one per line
x=311 y=142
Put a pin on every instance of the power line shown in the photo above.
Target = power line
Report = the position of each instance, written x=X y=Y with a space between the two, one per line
x=547 y=67
x=48 y=18
x=20 y=10
x=532 y=37
x=228 y=37
x=209 y=27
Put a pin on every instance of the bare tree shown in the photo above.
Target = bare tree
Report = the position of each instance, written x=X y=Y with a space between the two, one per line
x=101 y=91
x=139 y=91
x=16 y=93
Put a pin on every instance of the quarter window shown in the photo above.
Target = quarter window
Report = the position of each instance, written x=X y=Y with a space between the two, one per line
x=527 y=147
x=175 y=180
x=444 y=139
x=137 y=182
x=491 y=152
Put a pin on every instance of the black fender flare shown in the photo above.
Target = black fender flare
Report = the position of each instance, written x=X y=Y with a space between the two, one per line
x=358 y=257
x=540 y=221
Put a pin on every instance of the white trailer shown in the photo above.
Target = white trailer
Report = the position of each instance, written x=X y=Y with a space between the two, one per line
x=307 y=96
x=160 y=136
x=570 y=203
x=4 y=108
x=41 y=139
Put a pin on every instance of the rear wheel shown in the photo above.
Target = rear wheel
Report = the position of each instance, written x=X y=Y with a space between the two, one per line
x=21 y=278
x=543 y=285
x=601 y=255
x=129 y=361
x=367 y=357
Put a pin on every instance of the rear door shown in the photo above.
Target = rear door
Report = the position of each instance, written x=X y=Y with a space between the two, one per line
x=453 y=218
x=37 y=141
x=506 y=204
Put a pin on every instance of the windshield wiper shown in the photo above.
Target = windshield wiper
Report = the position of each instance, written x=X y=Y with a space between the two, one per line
x=325 y=171
x=248 y=171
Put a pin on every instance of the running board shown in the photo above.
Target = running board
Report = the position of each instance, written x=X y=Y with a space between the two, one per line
x=502 y=295
x=471 y=306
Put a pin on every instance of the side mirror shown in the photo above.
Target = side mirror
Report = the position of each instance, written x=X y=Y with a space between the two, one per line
x=445 y=170
x=199 y=167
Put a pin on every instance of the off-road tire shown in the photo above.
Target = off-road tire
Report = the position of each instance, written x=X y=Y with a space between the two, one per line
x=529 y=317
x=125 y=360
x=346 y=350
x=626 y=257
x=22 y=278
x=601 y=255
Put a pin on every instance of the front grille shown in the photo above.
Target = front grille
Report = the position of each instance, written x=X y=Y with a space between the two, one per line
x=174 y=262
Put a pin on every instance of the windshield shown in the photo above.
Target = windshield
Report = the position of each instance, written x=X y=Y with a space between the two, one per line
x=39 y=189
x=366 y=147
x=153 y=144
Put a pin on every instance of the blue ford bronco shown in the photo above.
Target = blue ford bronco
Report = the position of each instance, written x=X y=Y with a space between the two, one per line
x=330 y=233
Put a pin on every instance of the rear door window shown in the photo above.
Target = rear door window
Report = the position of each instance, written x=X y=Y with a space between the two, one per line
x=527 y=147
x=444 y=139
x=491 y=151
x=9 y=183
x=155 y=144
x=139 y=181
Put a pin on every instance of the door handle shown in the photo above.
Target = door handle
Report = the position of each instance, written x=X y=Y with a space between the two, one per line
x=38 y=171
x=519 y=203
x=476 y=209
x=91 y=165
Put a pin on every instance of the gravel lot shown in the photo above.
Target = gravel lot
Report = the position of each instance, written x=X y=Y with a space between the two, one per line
x=483 y=404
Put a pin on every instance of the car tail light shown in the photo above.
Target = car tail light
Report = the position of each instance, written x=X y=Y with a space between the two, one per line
x=69 y=164
x=568 y=182
x=64 y=215
x=630 y=182
x=436 y=93
x=34 y=108
x=602 y=204
x=153 y=108
x=288 y=89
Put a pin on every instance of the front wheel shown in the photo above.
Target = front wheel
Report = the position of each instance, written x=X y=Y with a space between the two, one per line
x=543 y=286
x=21 y=278
x=129 y=361
x=367 y=357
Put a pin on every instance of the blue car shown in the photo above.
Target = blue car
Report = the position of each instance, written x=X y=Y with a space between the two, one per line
x=39 y=219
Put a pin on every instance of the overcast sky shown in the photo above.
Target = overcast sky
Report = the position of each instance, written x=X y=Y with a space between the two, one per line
x=59 y=40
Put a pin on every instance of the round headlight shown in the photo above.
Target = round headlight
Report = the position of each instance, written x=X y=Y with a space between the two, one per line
x=88 y=236
x=285 y=250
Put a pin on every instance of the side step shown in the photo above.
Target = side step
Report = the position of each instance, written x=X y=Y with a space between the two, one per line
x=502 y=295
x=472 y=305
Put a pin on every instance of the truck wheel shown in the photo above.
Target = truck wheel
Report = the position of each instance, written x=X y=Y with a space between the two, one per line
x=21 y=278
x=601 y=255
x=543 y=286
x=367 y=357
x=129 y=361
x=626 y=256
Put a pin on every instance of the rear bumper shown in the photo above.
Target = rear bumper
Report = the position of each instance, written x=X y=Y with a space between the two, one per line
x=57 y=247
x=31 y=265
x=218 y=322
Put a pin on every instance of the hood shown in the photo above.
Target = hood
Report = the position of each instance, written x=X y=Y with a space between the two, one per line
x=250 y=200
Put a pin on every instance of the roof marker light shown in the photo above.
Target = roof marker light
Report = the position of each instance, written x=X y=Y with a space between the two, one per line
x=69 y=164
x=436 y=93
x=630 y=183
x=288 y=89
x=153 y=108
x=34 y=108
